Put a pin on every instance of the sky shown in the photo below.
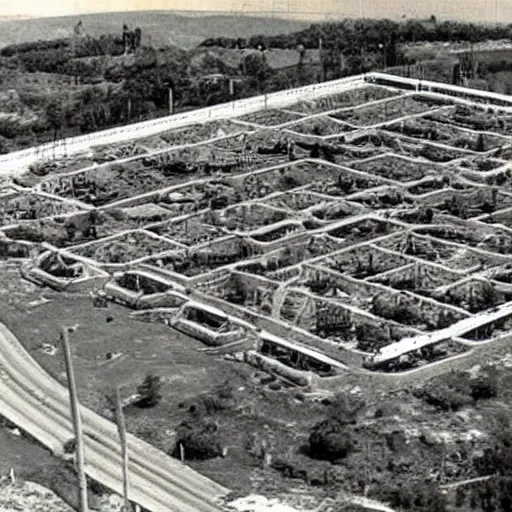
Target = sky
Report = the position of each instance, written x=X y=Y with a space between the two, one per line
x=472 y=10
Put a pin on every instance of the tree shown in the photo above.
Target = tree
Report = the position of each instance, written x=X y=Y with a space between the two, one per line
x=55 y=117
x=126 y=37
x=149 y=391
x=302 y=54
x=138 y=38
x=391 y=50
x=456 y=74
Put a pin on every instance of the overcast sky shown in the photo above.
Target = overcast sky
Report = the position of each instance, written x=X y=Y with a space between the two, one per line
x=474 y=10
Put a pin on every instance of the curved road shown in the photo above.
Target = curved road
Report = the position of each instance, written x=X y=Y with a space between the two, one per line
x=39 y=405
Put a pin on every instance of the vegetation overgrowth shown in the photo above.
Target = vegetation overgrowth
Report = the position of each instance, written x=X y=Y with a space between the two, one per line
x=82 y=83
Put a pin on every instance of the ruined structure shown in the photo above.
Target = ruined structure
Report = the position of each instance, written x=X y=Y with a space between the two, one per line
x=365 y=234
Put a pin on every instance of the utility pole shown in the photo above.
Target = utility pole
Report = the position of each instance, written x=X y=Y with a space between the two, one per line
x=77 y=424
x=121 y=427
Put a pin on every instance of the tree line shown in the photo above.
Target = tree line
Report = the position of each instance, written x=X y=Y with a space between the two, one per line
x=352 y=34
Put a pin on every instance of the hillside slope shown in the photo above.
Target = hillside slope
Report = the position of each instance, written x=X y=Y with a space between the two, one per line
x=165 y=27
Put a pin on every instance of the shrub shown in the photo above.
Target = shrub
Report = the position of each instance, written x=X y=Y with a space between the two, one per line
x=345 y=408
x=222 y=398
x=449 y=393
x=149 y=391
x=200 y=440
x=485 y=387
x=420 y=497
x=455 y=390
x=330 y=439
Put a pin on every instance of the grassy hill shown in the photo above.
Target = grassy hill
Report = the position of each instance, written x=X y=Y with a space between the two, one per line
x=165 y=27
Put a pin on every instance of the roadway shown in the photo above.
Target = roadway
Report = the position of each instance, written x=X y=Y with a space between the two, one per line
x=39 y=405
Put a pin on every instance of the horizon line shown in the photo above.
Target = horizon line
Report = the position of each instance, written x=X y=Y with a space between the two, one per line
x=285 y=15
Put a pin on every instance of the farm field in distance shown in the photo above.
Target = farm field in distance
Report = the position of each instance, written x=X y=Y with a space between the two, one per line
x=357 y=244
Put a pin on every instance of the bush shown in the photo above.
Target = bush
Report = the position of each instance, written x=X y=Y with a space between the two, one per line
x=149 y=391
x=497 y=458
x=345 y=408
x=449 y=392
x=458 y=389
x=200 y=440
x=222 y=398
x=420 y=497
x=330 y=439
x=485 y=387
x=70 y=446
x=290 y=469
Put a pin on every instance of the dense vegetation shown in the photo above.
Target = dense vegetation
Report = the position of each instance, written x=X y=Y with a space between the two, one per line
x=67 y=86
x=351 y=34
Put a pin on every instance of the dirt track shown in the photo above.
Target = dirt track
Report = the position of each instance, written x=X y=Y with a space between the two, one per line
x=39 y=405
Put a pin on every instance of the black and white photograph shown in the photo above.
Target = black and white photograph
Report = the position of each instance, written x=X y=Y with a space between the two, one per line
x=256 y=256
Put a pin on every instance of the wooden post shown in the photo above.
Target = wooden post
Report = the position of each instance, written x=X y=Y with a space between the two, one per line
x=77 y=424
x=171 y=101
x=121 y=427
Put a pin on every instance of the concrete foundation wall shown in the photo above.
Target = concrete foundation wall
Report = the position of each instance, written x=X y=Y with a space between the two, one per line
x=280 y=329
x=391 y=381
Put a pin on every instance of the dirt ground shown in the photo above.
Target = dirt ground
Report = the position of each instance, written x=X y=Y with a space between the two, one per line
x=31 y=461
x=185 y=370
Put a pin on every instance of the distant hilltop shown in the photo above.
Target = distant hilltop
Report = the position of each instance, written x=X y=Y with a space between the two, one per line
x=15 y=17
x=166 y=28
x=462 y=10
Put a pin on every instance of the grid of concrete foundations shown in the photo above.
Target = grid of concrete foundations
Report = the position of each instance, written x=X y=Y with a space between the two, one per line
x=367 y=233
